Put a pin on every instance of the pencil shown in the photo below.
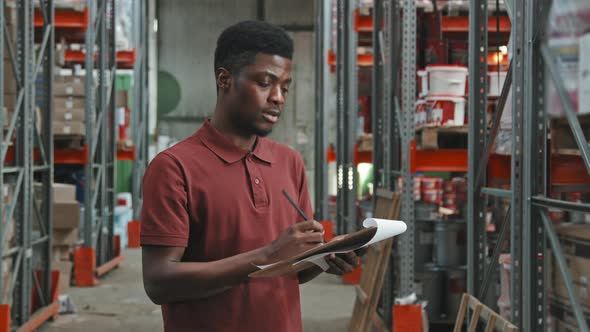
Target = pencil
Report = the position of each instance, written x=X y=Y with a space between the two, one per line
x=301 y=213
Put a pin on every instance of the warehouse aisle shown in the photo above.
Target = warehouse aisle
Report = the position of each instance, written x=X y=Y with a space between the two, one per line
x=120 y=304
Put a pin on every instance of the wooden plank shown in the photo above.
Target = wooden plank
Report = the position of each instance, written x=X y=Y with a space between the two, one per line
x=461 y=314
x=360 y=294
x=490 y=324
x=378 y=323
x=475 y=318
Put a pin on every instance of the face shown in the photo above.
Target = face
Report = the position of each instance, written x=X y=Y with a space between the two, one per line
x=257 y=94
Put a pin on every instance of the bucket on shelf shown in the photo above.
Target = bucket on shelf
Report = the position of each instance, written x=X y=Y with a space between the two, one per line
x=432 y=282
x=446 y=110
x=423 y=244
x=496 y=82
x=447 y=80
x=456 y=286
x=450 y=243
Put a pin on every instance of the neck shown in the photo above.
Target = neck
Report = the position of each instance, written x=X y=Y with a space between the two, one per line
x=224 y=126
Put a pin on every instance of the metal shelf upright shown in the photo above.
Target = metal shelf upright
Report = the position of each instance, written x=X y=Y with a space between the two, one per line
x=101 y=252
x=322 y=76
x=139 y=115
x=32 y=290
x=346 y=110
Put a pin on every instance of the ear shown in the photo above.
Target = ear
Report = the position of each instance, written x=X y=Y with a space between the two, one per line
x=223 y=78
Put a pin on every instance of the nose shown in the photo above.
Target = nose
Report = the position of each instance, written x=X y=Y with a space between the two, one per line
x=277 y=97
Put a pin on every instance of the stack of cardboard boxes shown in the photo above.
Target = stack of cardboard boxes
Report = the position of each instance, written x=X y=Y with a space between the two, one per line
x=69 y=106
x=575 y=242
x=10 y=86
x=66 y=220
x=9 y=226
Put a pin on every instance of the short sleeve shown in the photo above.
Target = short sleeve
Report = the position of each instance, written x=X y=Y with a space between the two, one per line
x=304 y=199
x=164 y=214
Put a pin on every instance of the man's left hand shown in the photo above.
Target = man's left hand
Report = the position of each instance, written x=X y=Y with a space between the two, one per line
x=341 y=264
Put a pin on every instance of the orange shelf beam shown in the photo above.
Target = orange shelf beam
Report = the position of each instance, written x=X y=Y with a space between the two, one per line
x=65 y=18
x=71 y=156
x=10 y=154
x=363 y=60
x=110 y=265
x=124 y=58
x=126 y=154
x=442 y=160
x=461 y=24
x=362 y=156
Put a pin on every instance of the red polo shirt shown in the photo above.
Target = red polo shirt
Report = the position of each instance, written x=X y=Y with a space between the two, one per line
x=217 y=201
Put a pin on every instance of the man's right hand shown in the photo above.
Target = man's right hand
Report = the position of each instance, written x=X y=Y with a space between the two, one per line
x=296 y=239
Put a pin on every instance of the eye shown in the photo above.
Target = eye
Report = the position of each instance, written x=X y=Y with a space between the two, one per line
x=264 y=84
x=285 y=90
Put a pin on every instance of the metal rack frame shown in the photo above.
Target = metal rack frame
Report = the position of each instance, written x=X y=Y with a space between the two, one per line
x=140 y=114
x=322 y=71
x=530 y=225
x=99 y=197
x=527 y=223
x=346 y=111
x=32 y=253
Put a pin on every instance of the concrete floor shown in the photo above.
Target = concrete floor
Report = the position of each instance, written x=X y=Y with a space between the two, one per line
x=120 y=304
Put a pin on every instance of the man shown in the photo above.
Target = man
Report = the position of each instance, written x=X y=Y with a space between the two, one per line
x=213 y=206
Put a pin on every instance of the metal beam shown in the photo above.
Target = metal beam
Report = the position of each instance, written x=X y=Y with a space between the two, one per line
x=322 y=45
x=407 y=135
x=478 y=48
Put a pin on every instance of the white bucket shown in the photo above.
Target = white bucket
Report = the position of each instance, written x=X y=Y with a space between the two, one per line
x=446 y=80
x=446 y=110
x=496 y=82
x=422 y=83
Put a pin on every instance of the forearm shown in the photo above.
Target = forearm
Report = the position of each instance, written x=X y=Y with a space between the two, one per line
x=184 y=281
x=309 y=274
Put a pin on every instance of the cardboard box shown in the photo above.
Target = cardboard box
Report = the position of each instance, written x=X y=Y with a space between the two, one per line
x=61 y=252
x=10 y=86
x=65 y=274
x=69 y=89
x=61 y=128
x=70 y=79
x=74 y=114
x=584 y=74
x=5 y=294
x=575 y=242
x=69 y=102
x=563 y=317
x=66 y=215
x=62 y=192
x=122 y=98
x=65 y=236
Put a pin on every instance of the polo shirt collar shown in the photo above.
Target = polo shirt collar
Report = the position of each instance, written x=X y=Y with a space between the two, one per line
x=226 y=150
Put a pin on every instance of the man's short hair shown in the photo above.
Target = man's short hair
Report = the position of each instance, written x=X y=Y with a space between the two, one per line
x=238 y=45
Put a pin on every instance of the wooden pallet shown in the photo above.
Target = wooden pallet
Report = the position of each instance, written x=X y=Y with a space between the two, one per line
x=69 y=141
x=442 y=137
x=368 y=292
x=562 y=137
x=494 y=322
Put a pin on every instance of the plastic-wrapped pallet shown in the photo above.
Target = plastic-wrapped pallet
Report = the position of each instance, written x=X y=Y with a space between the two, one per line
x=569 y=23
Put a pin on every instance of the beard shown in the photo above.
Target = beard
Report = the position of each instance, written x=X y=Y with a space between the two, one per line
x=249 y=127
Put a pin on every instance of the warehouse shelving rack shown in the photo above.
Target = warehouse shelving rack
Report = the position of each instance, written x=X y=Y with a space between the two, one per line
x=527 y=223
x=33 y=286
x=346 y=116
x=140 y=114
x=101 y=250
